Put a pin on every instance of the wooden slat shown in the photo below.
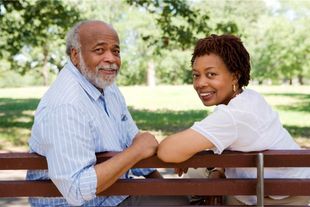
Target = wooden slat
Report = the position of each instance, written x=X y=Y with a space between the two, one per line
x=21 y=161
x=274 y=158
x=167 y=187
x=287 y=158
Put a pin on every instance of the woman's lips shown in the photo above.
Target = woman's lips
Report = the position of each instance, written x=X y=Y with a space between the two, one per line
x=206 y=95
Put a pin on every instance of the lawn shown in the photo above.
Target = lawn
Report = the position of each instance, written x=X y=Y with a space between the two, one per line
x=162 y=110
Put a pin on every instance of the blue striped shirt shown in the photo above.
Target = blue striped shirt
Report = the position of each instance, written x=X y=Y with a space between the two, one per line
x=72 y=122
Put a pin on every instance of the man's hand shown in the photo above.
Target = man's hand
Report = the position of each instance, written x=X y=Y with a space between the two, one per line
x=146 y=144
x=143 y=146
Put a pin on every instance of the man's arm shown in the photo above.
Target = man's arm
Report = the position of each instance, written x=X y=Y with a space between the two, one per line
x=143 y=146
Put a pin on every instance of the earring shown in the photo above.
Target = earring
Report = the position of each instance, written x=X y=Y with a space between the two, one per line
x=234 y=88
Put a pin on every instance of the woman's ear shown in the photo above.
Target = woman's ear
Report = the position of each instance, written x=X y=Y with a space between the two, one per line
x=236 y=78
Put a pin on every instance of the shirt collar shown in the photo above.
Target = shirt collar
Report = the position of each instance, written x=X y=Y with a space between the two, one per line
x=89 y=88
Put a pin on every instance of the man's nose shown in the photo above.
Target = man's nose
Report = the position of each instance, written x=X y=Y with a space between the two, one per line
x=109 y=57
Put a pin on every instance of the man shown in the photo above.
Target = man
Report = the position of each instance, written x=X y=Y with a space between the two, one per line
x=82 y=113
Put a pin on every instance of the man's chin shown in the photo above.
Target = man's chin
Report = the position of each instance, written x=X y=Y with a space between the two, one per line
x=103 y=84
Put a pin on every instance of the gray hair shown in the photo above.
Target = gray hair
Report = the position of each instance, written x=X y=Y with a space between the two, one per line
x=73 y=39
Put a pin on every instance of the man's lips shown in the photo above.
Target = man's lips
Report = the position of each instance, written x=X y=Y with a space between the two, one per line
x=108 y=71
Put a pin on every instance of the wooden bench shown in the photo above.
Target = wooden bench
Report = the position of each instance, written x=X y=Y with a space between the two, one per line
x=258 y=187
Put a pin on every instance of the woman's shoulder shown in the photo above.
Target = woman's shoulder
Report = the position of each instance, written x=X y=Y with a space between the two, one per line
x=248 y=97
x=250 y=103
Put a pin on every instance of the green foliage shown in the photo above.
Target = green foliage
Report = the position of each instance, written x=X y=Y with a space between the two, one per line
x=11 y=78
x=157 y=32
x=32 y=33
x=280 y=46
x=180 y=25
x=174 y=68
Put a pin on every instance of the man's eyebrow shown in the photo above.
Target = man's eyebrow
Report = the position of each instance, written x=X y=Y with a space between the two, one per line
x=105 y=43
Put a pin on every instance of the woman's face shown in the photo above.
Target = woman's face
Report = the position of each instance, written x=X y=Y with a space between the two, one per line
x=212 y=80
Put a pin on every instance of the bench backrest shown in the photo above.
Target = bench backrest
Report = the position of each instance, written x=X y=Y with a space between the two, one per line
x=259 y=186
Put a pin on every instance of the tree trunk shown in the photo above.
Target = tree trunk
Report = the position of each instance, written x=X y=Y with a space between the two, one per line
x=300 y=79
x=291 y=81
x=45 y=68
x=151 y=78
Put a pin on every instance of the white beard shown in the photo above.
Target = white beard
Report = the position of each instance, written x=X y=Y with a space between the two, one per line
x=94 y=77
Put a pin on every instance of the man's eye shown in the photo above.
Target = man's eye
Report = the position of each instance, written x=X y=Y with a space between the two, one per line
x=99 y=50
x=117 y=52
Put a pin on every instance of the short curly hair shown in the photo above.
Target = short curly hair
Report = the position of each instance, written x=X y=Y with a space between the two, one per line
x=232 y=51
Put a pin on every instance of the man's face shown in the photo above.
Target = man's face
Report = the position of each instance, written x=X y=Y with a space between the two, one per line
x=99 y=57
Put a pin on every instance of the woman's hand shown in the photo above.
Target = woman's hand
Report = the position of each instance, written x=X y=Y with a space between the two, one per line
x=180 y=171
x=216 y=173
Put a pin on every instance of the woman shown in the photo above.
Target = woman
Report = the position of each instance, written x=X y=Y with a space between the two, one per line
x=241 y=121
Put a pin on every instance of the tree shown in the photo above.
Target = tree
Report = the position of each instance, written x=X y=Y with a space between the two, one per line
x=180 y=26
x=281 y=44
x=33 y=33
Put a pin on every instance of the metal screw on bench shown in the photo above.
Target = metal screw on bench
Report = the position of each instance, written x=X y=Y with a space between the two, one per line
x=260 y=180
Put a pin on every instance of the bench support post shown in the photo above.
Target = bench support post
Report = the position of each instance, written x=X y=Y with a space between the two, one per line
x=260 y=180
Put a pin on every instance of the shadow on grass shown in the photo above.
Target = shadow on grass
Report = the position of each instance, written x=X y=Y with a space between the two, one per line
x=12 y=112
x=169 y=122
x=297 y=131
x=303 y=106
x=16 y=119
x=166 y=121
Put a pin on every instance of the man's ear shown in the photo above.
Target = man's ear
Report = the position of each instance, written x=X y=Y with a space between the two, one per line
x=74 y=56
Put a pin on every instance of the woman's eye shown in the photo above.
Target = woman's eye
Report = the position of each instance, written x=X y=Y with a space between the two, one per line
x=210 y=75
x=195 y=76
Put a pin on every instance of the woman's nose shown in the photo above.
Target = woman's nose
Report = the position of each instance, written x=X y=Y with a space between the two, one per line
x=200 y=82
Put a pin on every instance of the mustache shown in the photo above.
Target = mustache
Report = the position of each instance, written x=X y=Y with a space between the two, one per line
x=112 y=66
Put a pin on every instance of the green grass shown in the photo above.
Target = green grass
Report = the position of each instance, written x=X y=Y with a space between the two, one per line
x=162 y=110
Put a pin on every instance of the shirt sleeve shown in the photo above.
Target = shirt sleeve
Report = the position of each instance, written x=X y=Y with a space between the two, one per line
x=70 y=153
x=219 y=128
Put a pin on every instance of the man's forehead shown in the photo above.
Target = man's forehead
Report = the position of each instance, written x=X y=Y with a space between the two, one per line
x=98 y=33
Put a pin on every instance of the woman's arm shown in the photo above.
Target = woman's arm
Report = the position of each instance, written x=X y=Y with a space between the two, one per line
x=183 y=145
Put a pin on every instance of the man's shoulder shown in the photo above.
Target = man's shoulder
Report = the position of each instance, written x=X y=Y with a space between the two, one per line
x=64 y=91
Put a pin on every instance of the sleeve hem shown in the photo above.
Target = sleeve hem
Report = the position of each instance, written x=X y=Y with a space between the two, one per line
x=88 y=184
x=218 y=148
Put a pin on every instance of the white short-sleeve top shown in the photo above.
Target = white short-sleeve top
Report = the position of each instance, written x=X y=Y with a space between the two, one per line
x=248 y=123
